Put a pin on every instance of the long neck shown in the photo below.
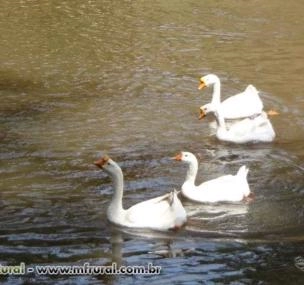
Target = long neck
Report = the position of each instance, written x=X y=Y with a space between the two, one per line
x=216 y=95
x=220 y=120
x=116 y=202
x=191 y=173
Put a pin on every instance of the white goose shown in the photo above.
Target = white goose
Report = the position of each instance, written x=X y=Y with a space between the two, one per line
x=223 y=188
x=161 y=213
x=245 y=104
x=253 y=129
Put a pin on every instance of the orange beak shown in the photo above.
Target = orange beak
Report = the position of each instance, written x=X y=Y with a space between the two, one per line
x=272 y=113
x=202 y=114
x=102 y=161
x=178 y=157
x=202 y=85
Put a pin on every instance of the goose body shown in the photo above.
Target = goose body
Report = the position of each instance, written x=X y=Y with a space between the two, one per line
x=253 y=129
x=223 y=188
x=241 y=105
x=160 y=213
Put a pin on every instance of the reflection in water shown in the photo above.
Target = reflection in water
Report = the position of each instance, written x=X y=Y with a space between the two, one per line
x=116 y=243
x=120 y=78
x=209 y=258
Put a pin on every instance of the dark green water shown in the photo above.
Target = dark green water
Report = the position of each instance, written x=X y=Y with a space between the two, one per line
x=83 y=78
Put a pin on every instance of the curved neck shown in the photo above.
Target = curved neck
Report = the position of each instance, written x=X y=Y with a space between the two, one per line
x=216 y=94
x=116 y=202
x=220 y=121
x=191 y=173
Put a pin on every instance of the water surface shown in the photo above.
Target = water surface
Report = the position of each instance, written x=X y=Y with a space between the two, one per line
x=78 y=80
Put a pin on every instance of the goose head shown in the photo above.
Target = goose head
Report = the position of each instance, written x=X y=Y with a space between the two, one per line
x=107 y=164
x=208 y=80
x=185 y=156
x=206 y=109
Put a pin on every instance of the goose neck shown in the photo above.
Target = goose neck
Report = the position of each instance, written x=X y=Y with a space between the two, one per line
x=116 y=202
x=191 y=172
x=216 y=94
x=220 y=120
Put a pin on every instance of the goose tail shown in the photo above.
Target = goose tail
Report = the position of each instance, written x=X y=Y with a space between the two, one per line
x=250 y=88
x=242 y=174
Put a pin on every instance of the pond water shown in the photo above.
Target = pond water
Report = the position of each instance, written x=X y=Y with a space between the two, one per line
x=80 y=79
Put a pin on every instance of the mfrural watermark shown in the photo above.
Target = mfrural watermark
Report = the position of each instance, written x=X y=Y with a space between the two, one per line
x=299 y=262
x=84 y=269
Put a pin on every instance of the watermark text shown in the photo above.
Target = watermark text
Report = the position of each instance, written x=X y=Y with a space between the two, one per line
x=85 y=269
